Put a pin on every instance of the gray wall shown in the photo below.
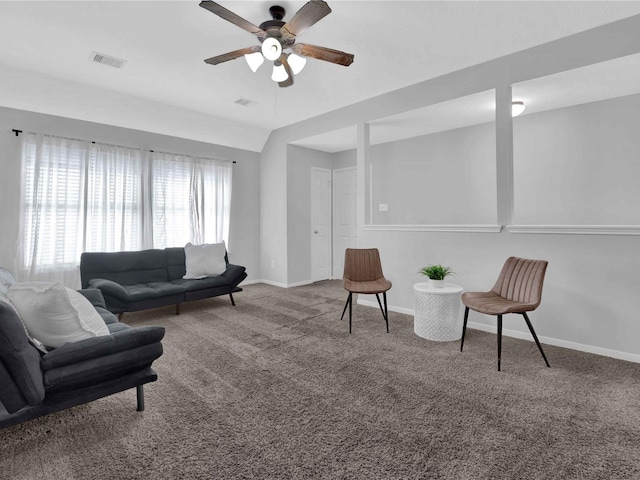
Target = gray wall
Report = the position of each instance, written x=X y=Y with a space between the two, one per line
x=576 y=310
x=245 y=222
x=579 y=165
x=344 y=159
x=442 y=178
x=300 y=160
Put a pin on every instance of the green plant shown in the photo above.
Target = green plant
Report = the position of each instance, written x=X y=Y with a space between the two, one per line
x=436 y=272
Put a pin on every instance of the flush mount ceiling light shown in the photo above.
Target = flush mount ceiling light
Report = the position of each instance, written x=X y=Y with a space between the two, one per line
x=517 y=108
x=271 y=49
x=276 y=36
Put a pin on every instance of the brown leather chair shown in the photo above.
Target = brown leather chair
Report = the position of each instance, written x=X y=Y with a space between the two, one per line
x=518 y=290
x=363 y=274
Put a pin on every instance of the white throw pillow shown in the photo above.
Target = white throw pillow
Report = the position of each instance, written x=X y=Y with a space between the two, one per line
x=48 y=312
x=204 y=260
x=6 y=280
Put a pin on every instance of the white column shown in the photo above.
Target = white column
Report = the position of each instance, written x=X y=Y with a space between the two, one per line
x=362 y=160
x=504 y=155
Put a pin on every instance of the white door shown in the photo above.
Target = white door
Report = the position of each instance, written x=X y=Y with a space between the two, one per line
x=345 y=231
x=320 y=224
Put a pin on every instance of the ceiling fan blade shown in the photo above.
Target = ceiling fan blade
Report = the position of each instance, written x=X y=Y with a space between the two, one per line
x=323 y=53
x=310 y=13
x=225 y=57
x=289 y=81
x=229 y=16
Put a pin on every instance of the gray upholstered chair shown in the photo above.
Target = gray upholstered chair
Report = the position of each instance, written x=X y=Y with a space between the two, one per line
x=363 y=274
x=518 y=290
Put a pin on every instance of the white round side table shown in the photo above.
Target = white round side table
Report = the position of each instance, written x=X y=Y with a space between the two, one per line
x=437 y=314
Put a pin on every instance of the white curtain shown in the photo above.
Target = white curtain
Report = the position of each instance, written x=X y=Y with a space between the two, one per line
x=114 y=190
x=52 y=209
x=191 y=200
x=79 y=196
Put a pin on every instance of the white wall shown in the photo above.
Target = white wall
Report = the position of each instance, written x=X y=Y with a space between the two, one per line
x=245 y=204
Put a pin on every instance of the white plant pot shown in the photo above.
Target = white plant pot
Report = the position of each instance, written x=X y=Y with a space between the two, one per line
x=436 y=283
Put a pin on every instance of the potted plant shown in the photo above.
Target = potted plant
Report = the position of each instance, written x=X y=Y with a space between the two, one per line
x=437 y=274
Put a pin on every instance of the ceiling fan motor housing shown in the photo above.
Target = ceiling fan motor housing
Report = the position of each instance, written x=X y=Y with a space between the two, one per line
x=277 y=12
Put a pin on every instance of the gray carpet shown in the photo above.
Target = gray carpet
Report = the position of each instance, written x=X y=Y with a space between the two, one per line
x=277 y=388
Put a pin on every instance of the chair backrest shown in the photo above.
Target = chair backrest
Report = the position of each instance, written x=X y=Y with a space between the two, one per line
x=521 y=280
x=362 y=264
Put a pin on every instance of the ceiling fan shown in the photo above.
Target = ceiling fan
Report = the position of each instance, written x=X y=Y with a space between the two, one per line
x=276 y=36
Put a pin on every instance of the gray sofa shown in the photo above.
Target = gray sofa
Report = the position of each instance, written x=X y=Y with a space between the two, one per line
x=132 y=281
x=34 y=383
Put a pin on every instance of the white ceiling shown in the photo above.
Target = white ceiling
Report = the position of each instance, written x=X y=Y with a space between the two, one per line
x=165 y=87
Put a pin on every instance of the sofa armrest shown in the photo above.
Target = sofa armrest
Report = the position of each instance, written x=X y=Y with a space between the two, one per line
x=102 y=346
x=109 y=287
x=94 y=295
x=234 y=274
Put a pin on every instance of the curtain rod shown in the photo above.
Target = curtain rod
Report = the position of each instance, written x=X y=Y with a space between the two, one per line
x=18 y=132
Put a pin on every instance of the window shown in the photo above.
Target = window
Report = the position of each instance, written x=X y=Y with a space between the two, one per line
x=80 y=196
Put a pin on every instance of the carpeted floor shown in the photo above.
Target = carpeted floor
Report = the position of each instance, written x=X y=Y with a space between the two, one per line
x=276 y=388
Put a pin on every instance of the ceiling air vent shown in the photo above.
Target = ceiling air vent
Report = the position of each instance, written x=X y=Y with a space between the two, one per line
x=245 y=102
x=107 y=60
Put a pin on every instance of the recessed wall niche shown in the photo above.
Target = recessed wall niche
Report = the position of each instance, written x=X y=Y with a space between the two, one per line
x=577 y=147
x=434 y=165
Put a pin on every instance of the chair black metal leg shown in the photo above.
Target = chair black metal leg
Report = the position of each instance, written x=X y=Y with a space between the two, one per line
x=380 y=305
x=499 y=340
x=346 y=304
x=464 y=326
x=233 y=303
x=350 y=306
x=140 y=397
x=535 y=337
x=386 y=312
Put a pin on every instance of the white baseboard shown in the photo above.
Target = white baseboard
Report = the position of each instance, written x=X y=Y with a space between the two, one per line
x=374 y=303
x=279 y=284
x=606 y=352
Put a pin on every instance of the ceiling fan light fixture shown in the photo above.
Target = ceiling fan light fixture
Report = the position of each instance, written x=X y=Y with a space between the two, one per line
x=279 y=73
x=517 y=108
x=254 y=60
x=297 y=63
x=271 y=48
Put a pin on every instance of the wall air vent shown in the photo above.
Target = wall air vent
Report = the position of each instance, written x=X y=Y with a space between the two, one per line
x=245 y=102
x=107 y=60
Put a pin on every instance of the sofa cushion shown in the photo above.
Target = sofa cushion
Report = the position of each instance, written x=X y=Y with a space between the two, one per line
x=55 y=315
x=204 y=260
x=10 y=396
x=123 y=340
x=125 y=268
x=20 y=359
x=141 y=291
x=201 y=283
x=101 y=369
